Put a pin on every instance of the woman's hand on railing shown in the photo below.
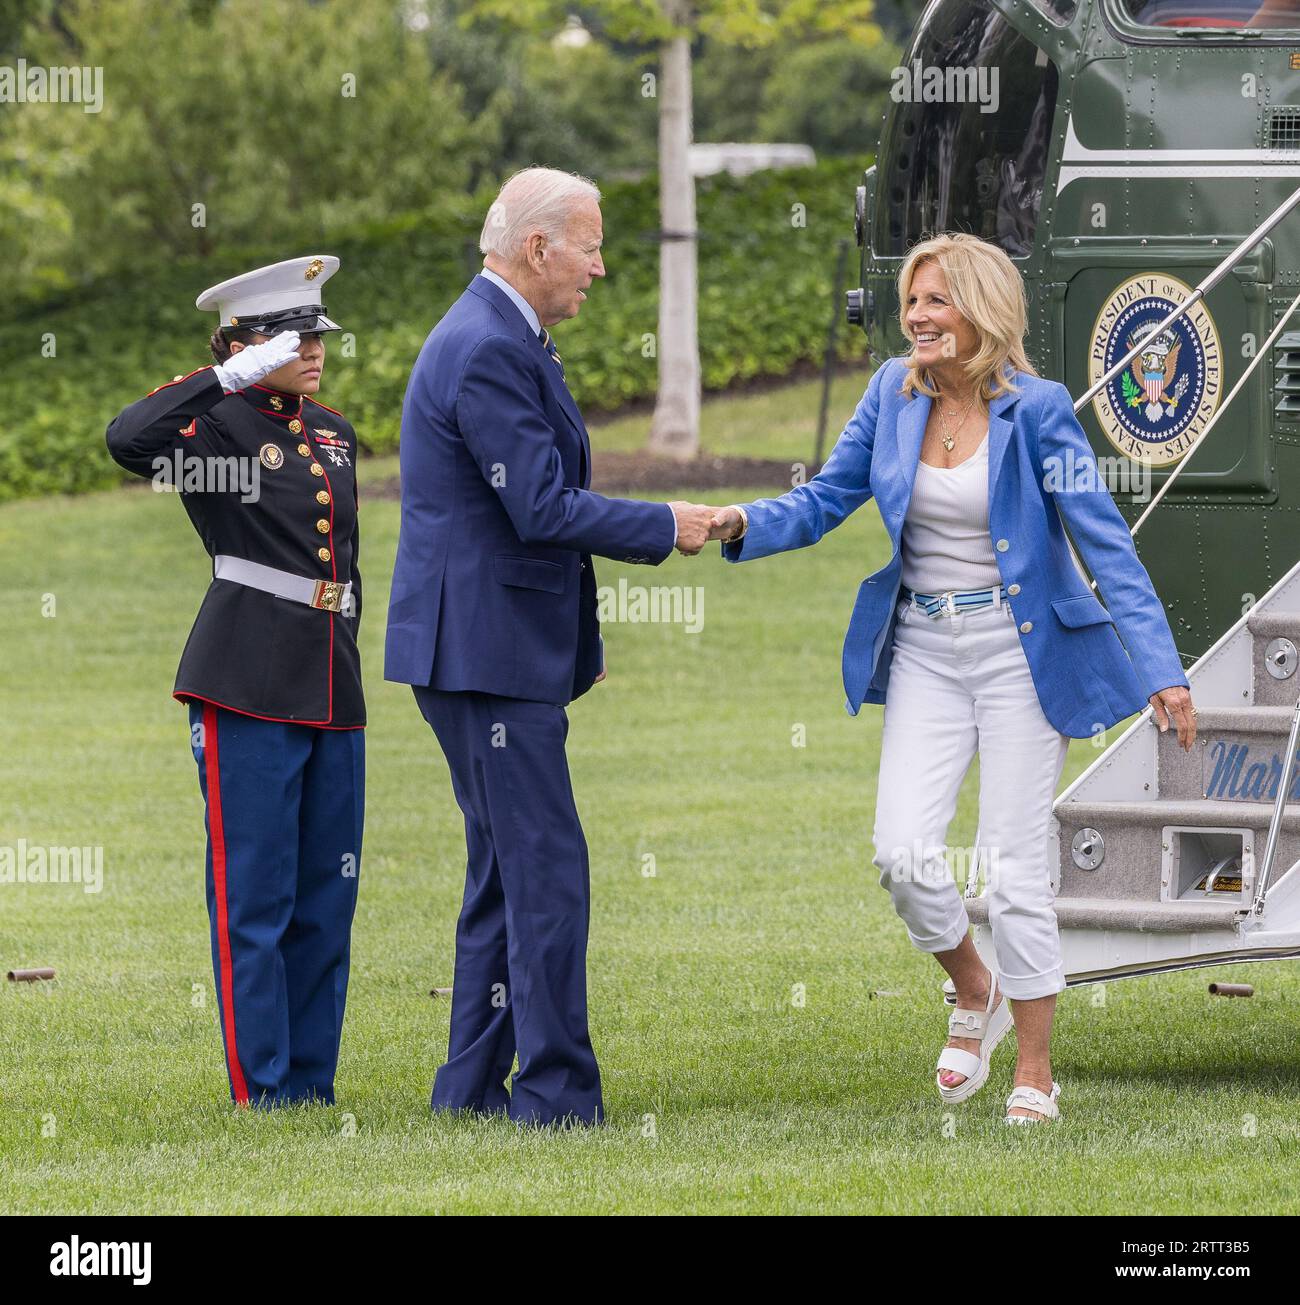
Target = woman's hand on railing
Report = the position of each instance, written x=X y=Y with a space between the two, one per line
x=1176 y=704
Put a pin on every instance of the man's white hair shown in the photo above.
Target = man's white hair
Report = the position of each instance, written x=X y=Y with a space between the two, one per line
x=536 y=199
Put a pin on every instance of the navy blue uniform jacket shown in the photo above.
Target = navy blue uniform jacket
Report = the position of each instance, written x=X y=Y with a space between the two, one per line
x=250 y=651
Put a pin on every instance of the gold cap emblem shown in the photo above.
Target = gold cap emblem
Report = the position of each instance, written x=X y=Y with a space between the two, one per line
x=314 y=269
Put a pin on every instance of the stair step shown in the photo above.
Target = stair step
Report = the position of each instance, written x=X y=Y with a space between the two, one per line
x=1267 y=688
x=1242 y=720
x=1142 y=917
x=1238 y=755
x=1274 y=625
x=1173 y=811
x=1134 y=844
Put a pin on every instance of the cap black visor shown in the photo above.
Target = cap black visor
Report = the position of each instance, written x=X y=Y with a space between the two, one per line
x=307 y=320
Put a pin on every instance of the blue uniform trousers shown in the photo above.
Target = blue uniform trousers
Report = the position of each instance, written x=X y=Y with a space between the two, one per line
x=520 y=980
x=284 y=819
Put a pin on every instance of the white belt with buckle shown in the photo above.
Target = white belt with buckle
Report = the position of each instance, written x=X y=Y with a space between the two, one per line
x=327 y=595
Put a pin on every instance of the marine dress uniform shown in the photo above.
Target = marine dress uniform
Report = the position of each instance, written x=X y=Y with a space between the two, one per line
x=272 y=678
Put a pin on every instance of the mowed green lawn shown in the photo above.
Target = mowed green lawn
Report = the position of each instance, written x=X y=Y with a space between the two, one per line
x=767 y=1036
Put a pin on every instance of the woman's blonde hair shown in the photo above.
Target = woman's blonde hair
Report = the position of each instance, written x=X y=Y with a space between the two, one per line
x=987 y=290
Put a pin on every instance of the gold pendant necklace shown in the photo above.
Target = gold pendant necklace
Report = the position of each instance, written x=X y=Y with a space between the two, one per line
x=948 y=439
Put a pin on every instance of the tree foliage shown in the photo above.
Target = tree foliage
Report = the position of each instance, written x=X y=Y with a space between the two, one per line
x=224 y=125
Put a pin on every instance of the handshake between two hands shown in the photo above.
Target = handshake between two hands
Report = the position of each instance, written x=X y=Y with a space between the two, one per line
x=697 y=525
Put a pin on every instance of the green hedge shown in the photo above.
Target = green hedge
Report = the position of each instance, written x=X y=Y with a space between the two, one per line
x=766 y=274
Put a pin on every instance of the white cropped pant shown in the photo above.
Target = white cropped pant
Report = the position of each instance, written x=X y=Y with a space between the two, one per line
x=960 y=681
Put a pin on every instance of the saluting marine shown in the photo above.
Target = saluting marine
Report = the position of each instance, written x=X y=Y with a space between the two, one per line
x=270 y=672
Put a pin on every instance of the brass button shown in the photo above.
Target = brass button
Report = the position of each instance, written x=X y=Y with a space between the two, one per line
x=1013 y=590
x=322 y=497
x=1026 y=626
x=1003 y=545
x=304 y=450
x=323 y=526
x=323 y=554
x=317 y=469
x=295 y=427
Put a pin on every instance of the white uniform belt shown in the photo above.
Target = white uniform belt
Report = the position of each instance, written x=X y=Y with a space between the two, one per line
x=328 y=595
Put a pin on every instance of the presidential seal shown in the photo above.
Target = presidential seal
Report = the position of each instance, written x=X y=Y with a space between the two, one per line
x=1154 y=409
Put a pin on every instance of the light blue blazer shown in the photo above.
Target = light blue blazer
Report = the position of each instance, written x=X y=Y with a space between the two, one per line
x=1040 y=464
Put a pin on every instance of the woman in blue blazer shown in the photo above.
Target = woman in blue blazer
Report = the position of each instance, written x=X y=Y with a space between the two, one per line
x=980 y=633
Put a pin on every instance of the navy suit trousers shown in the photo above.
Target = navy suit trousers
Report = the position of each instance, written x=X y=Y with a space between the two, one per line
x=520 y=983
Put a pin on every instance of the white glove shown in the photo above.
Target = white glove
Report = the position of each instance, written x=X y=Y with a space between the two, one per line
x=254 y=361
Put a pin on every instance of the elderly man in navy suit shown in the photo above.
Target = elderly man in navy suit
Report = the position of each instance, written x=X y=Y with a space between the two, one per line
x=493 y=622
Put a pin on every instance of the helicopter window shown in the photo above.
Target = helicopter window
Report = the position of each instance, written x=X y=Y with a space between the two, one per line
x=1059 y=11
x=1251 y=14
x=966 y=145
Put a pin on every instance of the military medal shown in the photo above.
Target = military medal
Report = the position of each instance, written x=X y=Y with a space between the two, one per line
x=270 y=456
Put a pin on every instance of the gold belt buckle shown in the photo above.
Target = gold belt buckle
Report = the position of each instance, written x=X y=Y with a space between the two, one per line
x=328 y=596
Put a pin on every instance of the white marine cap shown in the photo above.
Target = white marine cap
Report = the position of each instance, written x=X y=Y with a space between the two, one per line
x=282 y=297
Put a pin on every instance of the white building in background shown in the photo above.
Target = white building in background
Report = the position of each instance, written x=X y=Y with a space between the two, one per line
x=573 y=34
x=741 y=160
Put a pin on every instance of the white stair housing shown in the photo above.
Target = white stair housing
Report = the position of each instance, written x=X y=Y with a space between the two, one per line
x=1155 y=851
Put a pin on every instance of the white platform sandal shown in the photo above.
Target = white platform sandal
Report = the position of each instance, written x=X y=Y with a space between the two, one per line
x=1028 y=1098
x=989 y=1026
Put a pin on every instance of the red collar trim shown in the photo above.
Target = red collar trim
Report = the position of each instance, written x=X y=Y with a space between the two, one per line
x=292 y=403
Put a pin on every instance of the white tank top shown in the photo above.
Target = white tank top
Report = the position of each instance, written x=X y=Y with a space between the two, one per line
x=946 y=542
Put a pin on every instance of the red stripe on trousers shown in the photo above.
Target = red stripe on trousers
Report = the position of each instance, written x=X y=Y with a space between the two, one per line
x=218 y=831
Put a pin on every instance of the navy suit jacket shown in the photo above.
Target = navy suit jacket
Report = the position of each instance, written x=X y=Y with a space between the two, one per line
x=494 y=589
x=1091 y=667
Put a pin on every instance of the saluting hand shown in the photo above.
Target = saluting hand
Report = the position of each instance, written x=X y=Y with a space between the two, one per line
x=254 y=361
x=1176 y=704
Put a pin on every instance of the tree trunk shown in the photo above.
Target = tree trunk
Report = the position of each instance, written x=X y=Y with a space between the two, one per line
x=675 y=429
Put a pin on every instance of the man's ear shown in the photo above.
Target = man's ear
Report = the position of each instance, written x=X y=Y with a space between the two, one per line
x=235 y=347
x=535 y=250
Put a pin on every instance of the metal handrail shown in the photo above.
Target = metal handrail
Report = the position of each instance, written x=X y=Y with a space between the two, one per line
x=1275 y=820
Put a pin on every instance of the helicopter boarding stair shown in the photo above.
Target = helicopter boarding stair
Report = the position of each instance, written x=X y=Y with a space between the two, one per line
x=1159 y=855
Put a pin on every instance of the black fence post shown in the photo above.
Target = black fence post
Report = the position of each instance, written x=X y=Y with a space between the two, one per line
x=828 y=367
